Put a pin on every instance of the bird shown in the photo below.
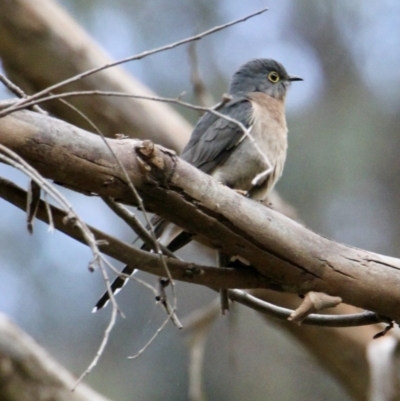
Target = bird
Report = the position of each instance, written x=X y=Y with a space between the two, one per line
x=251 y=161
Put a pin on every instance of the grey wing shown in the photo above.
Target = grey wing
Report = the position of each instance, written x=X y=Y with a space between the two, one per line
x=214 y=138
x=210 y=145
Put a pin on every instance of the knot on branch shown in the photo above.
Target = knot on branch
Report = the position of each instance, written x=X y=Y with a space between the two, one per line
x=157 y=163
x=313 y=302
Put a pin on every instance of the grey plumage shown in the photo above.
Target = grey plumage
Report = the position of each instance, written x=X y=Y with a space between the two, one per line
x=252 y=77
x=213 y=138
x=220 y=148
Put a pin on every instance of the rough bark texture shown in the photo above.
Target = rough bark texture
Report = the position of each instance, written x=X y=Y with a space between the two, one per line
x=39 y=45
x=289 y=257
x=149 y=262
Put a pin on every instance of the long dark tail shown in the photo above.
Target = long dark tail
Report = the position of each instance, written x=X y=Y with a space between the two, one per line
x=116 y=287
x=159 y=225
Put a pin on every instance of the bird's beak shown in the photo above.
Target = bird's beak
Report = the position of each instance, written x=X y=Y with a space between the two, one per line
x=294 y=78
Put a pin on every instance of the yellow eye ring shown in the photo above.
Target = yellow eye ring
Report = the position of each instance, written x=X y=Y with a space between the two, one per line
x=273 y=77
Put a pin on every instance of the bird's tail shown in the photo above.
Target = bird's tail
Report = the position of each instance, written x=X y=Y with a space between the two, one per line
x=115 y=287
x=168 y=234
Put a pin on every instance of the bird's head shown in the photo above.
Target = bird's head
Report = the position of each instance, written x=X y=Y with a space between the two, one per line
x=262 y=75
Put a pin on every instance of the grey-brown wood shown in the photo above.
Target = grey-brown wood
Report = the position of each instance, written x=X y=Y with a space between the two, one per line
x=29 y=373
x=291 y=257
x=41 y=45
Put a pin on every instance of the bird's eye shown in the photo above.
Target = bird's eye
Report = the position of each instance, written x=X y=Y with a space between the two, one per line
x=273 y=77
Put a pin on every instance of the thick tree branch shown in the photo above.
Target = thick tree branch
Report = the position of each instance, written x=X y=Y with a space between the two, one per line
x=149 y=262
x=53 y=47
x=290 y=257
x=50 y=48
x=189 y=272
x=27 y=372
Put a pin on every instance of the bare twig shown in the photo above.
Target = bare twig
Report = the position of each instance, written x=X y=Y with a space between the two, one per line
x=50 y=216
x=161 y=297
x=189 y=272
x=106 y=334
x=242 y=297
x=39 y=182
x=63 y=95
x=313 y=302
x=16 y=161
x=152 y=240
x=353 y=320
x=151 y=340
x=213 y=110
x=132 y=58
x=32 y=204
x=18 y=92
x=154 y=244
x=136 y=225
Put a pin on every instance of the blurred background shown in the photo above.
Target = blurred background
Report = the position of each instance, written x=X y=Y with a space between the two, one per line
x=341 y=176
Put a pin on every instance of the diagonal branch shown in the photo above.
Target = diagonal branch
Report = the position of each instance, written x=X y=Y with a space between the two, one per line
x=28 y=372
x=46 y=36
x=139 y=56
x=189 y=272
x=288 y=256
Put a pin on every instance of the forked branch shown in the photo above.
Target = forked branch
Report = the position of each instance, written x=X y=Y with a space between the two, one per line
x=287 y=256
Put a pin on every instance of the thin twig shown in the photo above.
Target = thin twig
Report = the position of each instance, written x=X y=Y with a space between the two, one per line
x=134 y=223
x=242 y=297
x=151 y=239
x=18 y=92
x=213 y=110
x=106 y=336
x=132 y=58
x=151 y=340
x=96 y=92
x=32 y=204
x=352 y=320
x=161 y=297
x=154 y=242
x=16 y=161
x=190 y=272
x=49 y=214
